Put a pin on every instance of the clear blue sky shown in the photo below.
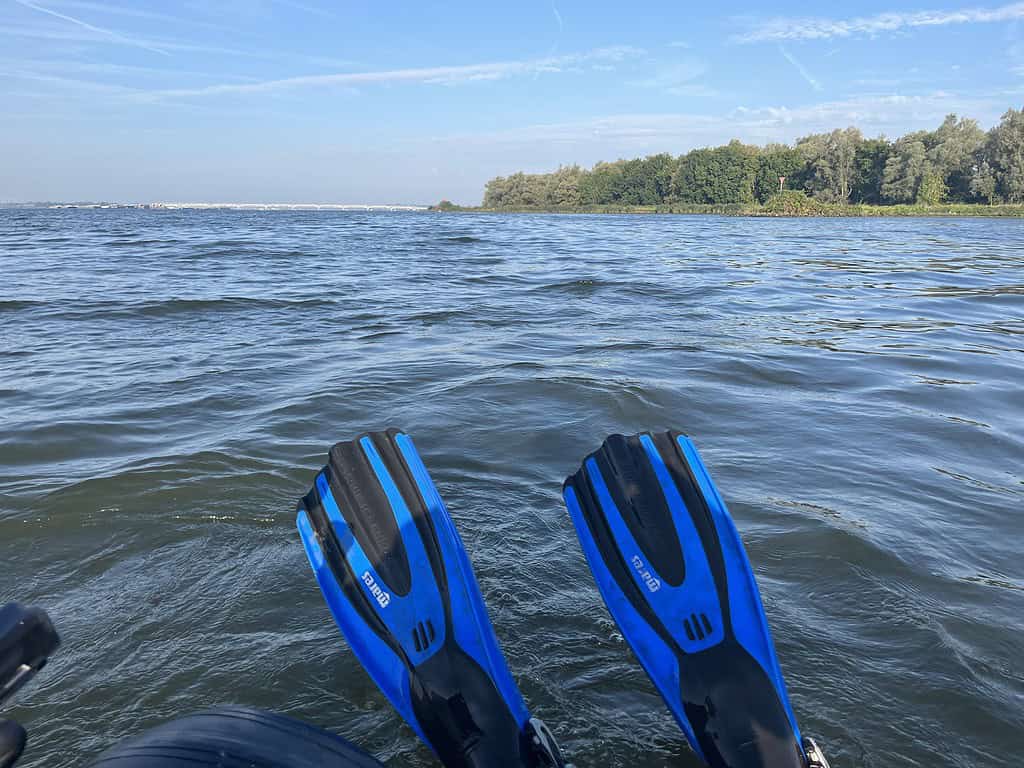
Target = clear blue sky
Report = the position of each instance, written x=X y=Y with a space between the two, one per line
x=317 y=101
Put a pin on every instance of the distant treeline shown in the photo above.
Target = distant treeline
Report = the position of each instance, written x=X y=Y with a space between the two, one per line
x=958 y=163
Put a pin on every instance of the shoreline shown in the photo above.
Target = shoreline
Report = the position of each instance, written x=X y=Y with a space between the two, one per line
x=809 y=209
x=820 y=210
x=216 y=206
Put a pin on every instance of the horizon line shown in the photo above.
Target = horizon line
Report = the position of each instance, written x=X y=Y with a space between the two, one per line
x=211 y=205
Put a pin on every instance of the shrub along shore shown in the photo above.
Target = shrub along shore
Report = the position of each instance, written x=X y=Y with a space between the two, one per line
x=956 y=170
x=789 y=203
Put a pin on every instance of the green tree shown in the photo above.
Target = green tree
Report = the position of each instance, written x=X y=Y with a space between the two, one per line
x=952 y=149
x=494 y=192
x=983 y=181
x=646 y=181
x=1006 y=154
x=519 y=190
x=932 y=189
x=600 y=185
x=831 y=163
x=776 y=161
x=720 y=175
x=635 y=184
x=957 y=161
x=869 y=167
x=563 y=189
x=686 y=184
x=660 y=169
x=905 y=169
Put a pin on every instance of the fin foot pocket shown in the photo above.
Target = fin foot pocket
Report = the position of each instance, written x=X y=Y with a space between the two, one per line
x=397 y=579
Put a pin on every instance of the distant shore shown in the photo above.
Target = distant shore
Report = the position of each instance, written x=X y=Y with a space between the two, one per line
x=791 y=207
x=958 y=169
x=224 y=206
x=767 y=211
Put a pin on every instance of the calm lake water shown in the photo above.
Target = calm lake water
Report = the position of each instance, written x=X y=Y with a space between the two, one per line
x=170 y=383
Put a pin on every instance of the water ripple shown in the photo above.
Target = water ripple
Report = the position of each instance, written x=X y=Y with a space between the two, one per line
x=172 y=380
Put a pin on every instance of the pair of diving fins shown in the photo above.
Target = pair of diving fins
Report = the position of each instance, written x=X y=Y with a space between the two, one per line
x=666 y=558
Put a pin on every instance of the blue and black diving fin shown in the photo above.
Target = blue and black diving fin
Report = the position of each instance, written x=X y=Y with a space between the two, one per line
x=673 y=572
x=394 y=573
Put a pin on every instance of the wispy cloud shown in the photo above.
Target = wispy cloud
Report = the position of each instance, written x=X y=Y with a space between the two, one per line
x=623 y=135
x=895 y=81
x=77 y=34
x=109 y=9
x=69 y=83
x=675 y=79
x=811 y=80
x=109 y=33
x=307 y=8
x=445 y=75
x=812 y=28
x=872 y=113
x=70 y=66
x=558 y=17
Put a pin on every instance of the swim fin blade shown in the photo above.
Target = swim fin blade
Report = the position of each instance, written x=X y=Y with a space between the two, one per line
x=673 y=572
x=396 y=576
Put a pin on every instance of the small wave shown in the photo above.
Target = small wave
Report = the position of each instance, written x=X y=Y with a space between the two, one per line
x=231 y=243
x=524 y=365
x=458 y=239
x=490 y=279
x=975 y=482
x=138 y=243
x=378 y=335
x=171 y=307
x=811 y=509
x=993 y=581
x=968 y=292
x=483 y=261
x=968 y=422
x=440 y=316
x=16 y=305
x=229 y=302
x=582 y=286
x=940 y=382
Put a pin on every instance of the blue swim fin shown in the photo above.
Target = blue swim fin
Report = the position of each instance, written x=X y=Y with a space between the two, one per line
x=672 y=569
x=394 y=573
